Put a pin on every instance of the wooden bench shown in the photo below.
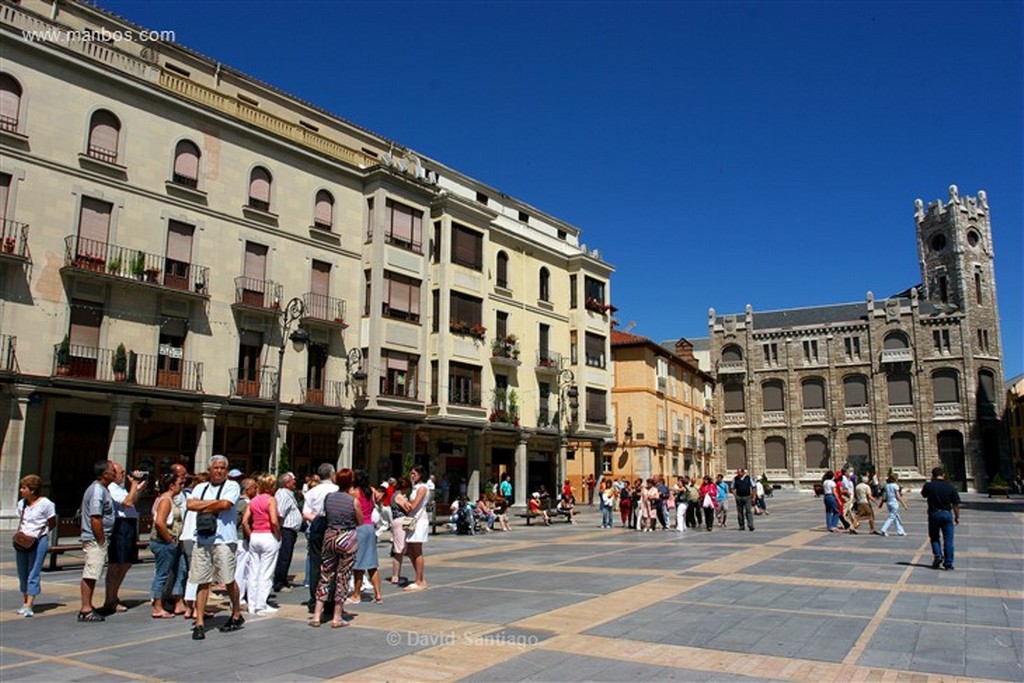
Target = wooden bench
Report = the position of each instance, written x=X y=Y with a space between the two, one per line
x=70 y=527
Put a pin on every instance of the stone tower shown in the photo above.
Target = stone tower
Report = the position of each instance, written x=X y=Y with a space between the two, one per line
x=954 y=242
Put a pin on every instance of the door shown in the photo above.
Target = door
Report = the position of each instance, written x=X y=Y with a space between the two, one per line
x=249 y=347
x=178 y=264
x=951 y=457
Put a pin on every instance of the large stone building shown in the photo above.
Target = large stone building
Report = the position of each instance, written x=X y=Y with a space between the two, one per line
x=907 y=383
x=662 y=417
x=1014 y=420
x=161 y=212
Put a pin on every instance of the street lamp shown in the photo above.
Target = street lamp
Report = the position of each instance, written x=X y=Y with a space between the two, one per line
x=833 y=428
x=355 y=376
x=567 y=394
x=288 y=316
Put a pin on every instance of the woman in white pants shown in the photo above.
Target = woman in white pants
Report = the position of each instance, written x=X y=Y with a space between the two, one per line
x=679 y=491
x=263 y=526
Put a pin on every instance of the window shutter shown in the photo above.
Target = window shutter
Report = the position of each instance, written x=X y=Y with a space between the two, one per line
x=855 y=391
x=773 y=401
x=259 y=184
x=904 y=450
x=93 y=227
x=945 y=386
x=186 y=160
x=324 y=211
x=813 y=394
x=735 y=454
x=320 y=278
x=255 y=264
x=10 y=99
x=816 y=452
x=86 y=318
x=775 y=453
x=858 y=447
x=899 y=389
x=179 y=241
x=734 y=398
x=401 y=222
x=5 y=190
x=104 y=131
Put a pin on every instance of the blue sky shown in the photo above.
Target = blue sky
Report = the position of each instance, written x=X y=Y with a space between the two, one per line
x=718 y=154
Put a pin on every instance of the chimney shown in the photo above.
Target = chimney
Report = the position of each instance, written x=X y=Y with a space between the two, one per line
x=684 y=349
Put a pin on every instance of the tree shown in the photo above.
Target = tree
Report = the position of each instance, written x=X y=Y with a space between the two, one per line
x=282 y=459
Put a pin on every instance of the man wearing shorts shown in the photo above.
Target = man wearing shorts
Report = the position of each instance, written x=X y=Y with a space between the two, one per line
x=213 y=556
x=97 y=525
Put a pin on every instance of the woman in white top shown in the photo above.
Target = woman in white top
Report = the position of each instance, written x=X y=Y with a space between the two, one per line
x=37 y=516
x=416 y=506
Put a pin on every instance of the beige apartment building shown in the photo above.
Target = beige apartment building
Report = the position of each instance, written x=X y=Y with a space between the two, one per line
x=170 y=223
x=906 y=383
x=663 y=422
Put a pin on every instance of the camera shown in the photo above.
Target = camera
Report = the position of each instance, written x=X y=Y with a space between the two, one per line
x=140 y=475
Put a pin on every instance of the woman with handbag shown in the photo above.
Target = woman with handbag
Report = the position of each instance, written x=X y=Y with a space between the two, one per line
x=415 y=506
x=709 y=501
x=37 y=516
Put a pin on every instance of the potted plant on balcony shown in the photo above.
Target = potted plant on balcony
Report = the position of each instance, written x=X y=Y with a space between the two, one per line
x=120 y=364
x=138 y=265
x=478 y=331
x=114 y=267
x=9 y=245
x=151 y=274
x=64 y=357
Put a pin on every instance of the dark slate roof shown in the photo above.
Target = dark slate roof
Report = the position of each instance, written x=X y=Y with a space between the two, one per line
x=827 y=315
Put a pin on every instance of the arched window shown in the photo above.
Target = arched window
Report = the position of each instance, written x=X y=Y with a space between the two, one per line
x=773 y=392
x=732 y=353
x=501 y=276
x=816 y=452
x=733 y=392
x=735 y=454
x=899 y=387
x=545 y=285
x=986 y=393
x=855 y=391
x=904 y=450
x=104 y=135
x=323 y=211
x=186 y=164
x=259 y=188
x=858 y=452
x=775 y=453
x=896 y=340
x=10 y=103
x=946 y=386
x=813 y=390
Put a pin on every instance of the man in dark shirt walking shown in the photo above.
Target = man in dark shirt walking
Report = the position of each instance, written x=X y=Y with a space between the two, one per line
x=742 y=487
x=943 y=516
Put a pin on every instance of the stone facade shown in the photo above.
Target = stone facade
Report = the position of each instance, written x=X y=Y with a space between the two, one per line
x=155 y=199
x=907 y=383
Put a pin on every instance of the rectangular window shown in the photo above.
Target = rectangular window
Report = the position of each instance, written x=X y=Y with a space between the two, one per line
x=404 y=227
x=435 y=245
x=369 y=218
x=401 y=297
x=398 y=374
x=593 y=290
x=983 y=341
x=595 y=350
x=596 y=409
x=810 y=351
x=978 y=287
x=501 y=324
x=771 y=354
x=177 y=265
x=852 y=347
x=435 y=307
x=467 y=247
x=170 y=353
x=573 y=296
x=940 y=338
x=250 y=344
x=367 y=292
x=466 y=311
x=93 y=229
x=574 y=339
x=463 y=384
x=524 y=217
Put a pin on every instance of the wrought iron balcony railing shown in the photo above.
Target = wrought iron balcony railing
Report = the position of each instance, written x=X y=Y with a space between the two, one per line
x=253 y=382
x=14 y=238
x=253 y=293
x=321 y=308
x=164 y=370
x=326 y=393
x=112 y=260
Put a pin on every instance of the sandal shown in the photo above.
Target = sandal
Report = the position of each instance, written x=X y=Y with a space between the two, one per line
x=115 y=608
x=315 y=623
x=338 y=624
x=164 y=615
x=92 y=616
x=414 y=587
x=378 y=599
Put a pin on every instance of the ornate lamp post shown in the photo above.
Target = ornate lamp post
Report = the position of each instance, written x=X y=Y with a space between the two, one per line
x=355 y=386
x=289 y=315
x=567 y=394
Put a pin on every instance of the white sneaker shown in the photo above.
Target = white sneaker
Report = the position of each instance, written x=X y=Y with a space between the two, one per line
x=266 y=610
x=21 y=611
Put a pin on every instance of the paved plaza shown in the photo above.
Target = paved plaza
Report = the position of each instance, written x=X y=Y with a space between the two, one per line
x=787 y=602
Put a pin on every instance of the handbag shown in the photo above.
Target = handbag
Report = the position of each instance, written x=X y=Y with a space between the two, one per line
x=409 y=523
x=206 y=522
x=22 y=540
x=708 y=503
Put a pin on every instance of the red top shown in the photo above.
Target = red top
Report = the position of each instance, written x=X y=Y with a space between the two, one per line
x=386 y=496
x=567 y=491
x=366 y=503
x=259 y=509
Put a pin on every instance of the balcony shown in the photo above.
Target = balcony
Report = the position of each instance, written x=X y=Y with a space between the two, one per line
x=773 y=418
x=508 y=415
x=897 y=356
x=253 y=383
x=167 y=370
x=105 y=261
x=857 y=414
x=662 y=385
x=13 y=241
x=691 y=443
x=901 y=413
x=547 y=419
x=548 y=362
x=948 y=411
x=814 y=416
x=327 y=393
x=461 y=327
x=731 y=367
x=321 y=310
x=677 y=440
x=505 y=351
x=662 y=435
x=257 y=296
x=8 y=358
x=464 y=398
x=735 y=419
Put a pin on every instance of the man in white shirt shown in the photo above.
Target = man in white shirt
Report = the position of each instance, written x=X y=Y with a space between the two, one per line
x=312 y=512
x=213 y=556
x=291 y=521
x=123 y=549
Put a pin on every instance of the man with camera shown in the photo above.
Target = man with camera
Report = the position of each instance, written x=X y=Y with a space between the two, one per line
x=213 y=556
x=123 y=548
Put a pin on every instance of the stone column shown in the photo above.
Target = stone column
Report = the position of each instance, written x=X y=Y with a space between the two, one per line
x=519 y=492
x=13 y=452
x=473 y=460
x=121 y=410
x=204 y=447
x=346 y=443
x=282 y=438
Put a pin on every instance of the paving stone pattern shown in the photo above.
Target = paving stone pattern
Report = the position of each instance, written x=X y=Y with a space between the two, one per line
x=787 y=602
